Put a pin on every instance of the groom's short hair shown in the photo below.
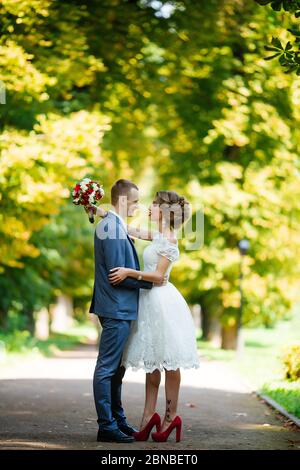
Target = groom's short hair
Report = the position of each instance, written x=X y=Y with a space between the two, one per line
x=121 y=188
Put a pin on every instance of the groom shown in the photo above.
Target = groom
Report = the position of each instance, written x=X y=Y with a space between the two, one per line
x=116 y=307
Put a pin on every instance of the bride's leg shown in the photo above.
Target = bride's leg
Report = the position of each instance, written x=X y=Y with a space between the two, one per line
x=152 y=387
x=172 y=386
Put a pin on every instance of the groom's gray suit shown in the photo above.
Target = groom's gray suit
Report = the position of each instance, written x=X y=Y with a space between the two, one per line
x=116 y=306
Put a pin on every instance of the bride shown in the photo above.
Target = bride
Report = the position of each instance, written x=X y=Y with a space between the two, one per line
x=163 y=337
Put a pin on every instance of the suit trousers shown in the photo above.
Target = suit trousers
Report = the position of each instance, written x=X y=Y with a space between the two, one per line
x=108 y=375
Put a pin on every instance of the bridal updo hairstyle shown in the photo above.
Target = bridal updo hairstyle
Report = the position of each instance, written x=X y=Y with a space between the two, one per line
x=175 y=209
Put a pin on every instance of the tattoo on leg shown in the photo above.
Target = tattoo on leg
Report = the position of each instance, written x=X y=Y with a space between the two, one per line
x=168 y=418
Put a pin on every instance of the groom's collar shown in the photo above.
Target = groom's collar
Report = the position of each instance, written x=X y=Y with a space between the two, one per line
x=120 y=218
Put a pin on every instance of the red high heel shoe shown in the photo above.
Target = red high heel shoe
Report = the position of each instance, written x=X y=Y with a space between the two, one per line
x=144 y=433
x=163 y=436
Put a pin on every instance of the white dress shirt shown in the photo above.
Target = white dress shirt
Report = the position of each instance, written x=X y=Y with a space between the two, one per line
x=121 y=219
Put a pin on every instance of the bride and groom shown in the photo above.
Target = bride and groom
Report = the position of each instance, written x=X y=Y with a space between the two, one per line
x=146 y=323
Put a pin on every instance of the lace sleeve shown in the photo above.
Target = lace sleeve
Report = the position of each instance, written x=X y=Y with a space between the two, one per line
x=168 y=250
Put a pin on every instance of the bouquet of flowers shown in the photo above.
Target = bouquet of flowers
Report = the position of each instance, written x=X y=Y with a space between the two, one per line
x=87 y=192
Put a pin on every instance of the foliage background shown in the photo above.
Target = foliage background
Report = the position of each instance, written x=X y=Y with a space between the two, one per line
x=172 y=94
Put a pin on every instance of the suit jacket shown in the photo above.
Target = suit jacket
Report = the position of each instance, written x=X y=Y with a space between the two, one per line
x=113 y=247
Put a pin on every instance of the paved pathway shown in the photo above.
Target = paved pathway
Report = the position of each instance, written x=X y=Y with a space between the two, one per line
x=48 y=404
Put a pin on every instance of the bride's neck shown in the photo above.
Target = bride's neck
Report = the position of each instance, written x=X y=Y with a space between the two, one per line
x=166 y=231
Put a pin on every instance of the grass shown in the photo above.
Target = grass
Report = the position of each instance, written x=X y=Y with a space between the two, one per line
x=287 y=394
x=18 y=343
x=260 y=362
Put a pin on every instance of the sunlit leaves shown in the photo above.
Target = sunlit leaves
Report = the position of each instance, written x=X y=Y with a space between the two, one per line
x=36 y=171
x=288 y=55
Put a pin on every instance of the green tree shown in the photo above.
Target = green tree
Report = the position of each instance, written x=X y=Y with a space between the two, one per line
x=233 y=146
x=288 y=54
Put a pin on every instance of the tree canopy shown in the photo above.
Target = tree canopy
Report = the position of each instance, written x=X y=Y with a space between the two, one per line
x=119 y=88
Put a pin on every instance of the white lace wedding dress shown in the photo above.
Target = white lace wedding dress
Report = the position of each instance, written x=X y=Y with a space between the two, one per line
x=164 y=334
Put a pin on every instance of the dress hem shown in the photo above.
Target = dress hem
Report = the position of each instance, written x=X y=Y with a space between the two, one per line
x=160 y=366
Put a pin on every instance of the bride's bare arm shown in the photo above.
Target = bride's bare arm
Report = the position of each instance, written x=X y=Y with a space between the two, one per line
x=97 y=210
x=100 y=212
x=141 y=233
x=158 y=276
x=136 y=232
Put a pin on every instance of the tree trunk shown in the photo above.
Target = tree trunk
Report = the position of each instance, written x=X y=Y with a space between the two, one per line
x=3 y=319
x=229 y=337
x=196 y=314
x=211 y=328
x=42 y=324
x=30 y=322
x=62 y=314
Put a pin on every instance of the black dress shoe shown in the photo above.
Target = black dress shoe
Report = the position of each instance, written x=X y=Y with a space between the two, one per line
x=113 y=436
x=126 y=429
